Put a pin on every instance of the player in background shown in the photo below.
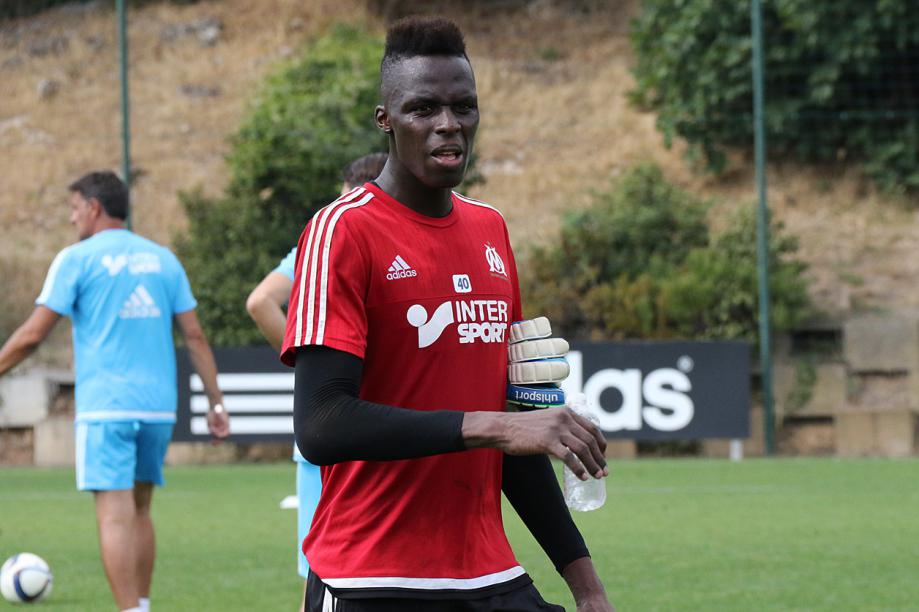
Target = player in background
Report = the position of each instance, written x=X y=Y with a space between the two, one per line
x=122 y=293
x=268 y=300
x=397 y=328
x=266 y=306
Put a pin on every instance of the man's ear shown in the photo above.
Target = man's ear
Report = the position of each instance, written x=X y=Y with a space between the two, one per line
x=382 y=119
x=95 y=208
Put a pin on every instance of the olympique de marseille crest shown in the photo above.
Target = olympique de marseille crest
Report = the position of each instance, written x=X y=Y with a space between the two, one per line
x=495 y=263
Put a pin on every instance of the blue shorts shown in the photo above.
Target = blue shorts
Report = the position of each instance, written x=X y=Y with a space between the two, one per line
x=113 y=455
x=309 y=485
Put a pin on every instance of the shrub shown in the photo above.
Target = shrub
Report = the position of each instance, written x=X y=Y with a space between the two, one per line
x=312 y=117
x=600 y=276
x=839 y=80
x=639 y=263
x=714 y=293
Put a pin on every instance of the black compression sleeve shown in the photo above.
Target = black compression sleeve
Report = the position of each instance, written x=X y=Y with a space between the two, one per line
x=332 y=425
x=530 y=485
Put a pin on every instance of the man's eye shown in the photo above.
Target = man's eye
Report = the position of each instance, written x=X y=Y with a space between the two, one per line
x=422 y=109
x=464 y=108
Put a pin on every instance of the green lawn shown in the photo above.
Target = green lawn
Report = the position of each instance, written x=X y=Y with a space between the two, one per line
x=788 y=534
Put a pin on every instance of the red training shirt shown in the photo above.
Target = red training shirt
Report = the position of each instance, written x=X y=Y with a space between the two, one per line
x=426 y=303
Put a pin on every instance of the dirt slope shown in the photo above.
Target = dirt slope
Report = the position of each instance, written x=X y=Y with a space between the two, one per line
x=555 y=123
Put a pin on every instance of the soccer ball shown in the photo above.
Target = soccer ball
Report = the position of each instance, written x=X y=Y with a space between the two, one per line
x=25 y=578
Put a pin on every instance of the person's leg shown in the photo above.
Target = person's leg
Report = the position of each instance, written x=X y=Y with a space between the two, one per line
x=152 y=443
x=105 y=465
x=309 y=486
x=144 y=537
x=115 y=517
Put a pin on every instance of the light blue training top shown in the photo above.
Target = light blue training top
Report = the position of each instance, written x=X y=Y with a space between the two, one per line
x=121 y=292
x=286 y=267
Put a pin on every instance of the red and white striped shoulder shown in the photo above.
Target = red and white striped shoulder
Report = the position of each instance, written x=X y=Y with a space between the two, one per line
x=314 y=271
x=475 y=202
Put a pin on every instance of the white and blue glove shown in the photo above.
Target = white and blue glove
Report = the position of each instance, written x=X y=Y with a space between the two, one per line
x=536 y=365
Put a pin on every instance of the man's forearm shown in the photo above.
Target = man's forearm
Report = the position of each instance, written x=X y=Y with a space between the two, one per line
x=270 y=320
x=27 y=337
x=584 y=583
x=202 y=359
x=18 y=347
x=332 y=424
x=530 y=485
x=266 y=307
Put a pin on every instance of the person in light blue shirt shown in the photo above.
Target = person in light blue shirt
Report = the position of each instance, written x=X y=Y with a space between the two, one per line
x=265 y=305
x=122 y=292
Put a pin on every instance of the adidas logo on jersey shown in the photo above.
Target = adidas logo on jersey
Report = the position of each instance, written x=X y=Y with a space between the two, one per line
x=140 y=305
x=400 y=269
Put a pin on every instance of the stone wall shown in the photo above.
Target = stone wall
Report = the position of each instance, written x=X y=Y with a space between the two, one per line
x=850 y=389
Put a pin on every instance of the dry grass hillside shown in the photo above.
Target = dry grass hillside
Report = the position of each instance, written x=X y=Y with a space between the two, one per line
x=555 y=124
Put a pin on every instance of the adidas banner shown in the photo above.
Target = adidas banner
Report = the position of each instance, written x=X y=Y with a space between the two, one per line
x=258 y=392
x=637 y=390
x=664 y=390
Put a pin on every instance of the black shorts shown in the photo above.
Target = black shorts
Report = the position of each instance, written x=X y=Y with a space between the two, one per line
x=522 y=599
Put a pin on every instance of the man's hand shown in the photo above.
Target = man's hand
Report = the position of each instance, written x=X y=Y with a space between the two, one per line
x=557 y=431
x=218 y=421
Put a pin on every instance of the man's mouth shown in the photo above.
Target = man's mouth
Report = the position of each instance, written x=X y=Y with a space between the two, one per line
x=448 y=155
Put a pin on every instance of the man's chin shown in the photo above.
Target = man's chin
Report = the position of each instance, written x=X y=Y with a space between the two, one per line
x=444 y=180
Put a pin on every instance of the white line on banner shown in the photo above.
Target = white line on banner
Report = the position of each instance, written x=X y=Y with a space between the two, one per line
x=248 y=425
x=248 y=382
x=280 y=402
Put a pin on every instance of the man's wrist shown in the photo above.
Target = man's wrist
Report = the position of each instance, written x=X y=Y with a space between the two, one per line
x=582 y=579
x=218 y=408
x=482 y=429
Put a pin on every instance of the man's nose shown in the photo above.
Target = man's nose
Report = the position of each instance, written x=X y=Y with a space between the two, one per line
x=447 y=121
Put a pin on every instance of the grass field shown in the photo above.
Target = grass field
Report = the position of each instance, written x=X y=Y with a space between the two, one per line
x=787 y=534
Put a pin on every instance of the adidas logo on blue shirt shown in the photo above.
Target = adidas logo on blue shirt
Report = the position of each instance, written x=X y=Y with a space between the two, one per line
x=140 y=305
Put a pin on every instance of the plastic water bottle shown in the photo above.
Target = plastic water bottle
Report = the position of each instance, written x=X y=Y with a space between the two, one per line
x=590 y=494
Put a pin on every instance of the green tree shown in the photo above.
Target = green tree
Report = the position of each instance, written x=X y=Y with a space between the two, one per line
x=314 y=115
x=840 y=80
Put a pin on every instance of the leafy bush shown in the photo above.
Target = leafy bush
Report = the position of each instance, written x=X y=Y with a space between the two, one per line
x=839 y=80
x=714 y=293
x=639 y=262
x=601 y=274
x=311 y=118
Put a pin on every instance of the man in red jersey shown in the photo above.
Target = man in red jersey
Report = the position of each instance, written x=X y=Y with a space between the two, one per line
x=397 y=327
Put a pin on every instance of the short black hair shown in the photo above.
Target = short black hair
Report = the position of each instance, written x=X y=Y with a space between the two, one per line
x=364 y=169
x=106 y=187
x=414 y=36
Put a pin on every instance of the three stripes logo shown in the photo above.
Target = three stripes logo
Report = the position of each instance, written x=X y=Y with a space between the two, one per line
x=139 y=305
x=400 y=269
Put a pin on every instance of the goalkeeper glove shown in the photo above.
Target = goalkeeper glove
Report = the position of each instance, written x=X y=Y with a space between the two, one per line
x=536 y=365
